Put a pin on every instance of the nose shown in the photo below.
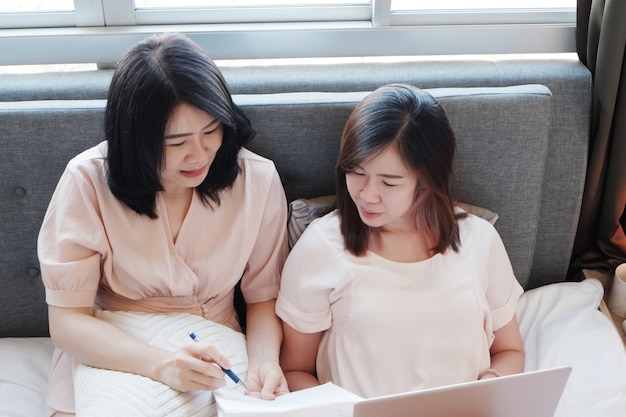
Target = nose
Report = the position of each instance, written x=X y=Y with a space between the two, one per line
x=369 y=192
x=196 y=151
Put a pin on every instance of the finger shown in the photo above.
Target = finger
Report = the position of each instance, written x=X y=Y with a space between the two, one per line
x=209 y=353
x=283 y=389
x=208 y=382
x=196 y=359
x=273 y=385
x=195 y=373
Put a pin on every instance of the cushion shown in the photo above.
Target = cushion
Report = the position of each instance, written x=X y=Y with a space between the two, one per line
x=106 y=393
x=24 y=367
x=562 y=326
x=483 y=213
x=303 y=211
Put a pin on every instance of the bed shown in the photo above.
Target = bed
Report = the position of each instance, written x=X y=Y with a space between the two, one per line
x=522 y=128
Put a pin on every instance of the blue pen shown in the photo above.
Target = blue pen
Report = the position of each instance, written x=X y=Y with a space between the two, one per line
x=228 y=372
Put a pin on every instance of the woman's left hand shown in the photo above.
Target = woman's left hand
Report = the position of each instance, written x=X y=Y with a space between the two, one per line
x=266 y=381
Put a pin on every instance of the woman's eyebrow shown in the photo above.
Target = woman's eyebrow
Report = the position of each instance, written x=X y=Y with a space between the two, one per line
x=391 y=176
x=178 y=135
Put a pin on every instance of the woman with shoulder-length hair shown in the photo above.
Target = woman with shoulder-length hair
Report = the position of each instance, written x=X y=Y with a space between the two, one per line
x=155 y=77
x=152 y=220
x=398 y=289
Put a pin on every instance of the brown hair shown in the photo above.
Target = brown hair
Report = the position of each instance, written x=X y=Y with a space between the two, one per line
x=414 y=123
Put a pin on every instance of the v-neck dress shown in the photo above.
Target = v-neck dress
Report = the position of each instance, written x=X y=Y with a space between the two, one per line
x=96 y=252
x=391 y=327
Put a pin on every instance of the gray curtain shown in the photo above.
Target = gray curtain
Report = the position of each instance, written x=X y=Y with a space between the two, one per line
x=601 y=43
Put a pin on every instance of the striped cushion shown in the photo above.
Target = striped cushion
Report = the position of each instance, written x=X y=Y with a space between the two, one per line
x=106 y=393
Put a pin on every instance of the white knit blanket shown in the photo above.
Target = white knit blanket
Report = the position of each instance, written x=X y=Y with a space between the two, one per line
x=105 y=393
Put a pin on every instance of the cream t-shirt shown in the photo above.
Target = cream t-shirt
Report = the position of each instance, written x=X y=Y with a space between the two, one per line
x=393 y=327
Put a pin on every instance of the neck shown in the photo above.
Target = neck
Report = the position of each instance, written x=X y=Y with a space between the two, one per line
x=401 y=245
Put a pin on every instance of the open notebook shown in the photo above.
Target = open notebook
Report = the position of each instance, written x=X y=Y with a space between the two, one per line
x=530 y=394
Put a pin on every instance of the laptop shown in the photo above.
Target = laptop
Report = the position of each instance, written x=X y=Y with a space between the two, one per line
x=529 y=394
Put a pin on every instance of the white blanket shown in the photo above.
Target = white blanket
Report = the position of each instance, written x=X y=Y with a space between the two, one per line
x=560 y=324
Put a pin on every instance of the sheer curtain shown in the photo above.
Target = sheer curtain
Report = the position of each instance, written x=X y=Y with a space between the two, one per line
x=601 y=42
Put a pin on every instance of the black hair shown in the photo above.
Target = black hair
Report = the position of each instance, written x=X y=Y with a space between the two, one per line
x=151 y=80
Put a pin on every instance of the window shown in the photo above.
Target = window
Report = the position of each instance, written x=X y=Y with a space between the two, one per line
x=478 y=4
x=81 y=31
x=481 y=11
x=36 y=13
x=36 y=6
x=248 y=11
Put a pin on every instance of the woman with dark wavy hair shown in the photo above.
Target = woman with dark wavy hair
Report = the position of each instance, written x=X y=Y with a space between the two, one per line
x=399 y=289
x=168 y=214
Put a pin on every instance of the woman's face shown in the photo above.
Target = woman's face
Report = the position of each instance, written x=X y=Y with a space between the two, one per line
x=383 y=190
x=192 y=138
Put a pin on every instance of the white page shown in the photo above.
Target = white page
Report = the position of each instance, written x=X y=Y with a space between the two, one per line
x=328 y=400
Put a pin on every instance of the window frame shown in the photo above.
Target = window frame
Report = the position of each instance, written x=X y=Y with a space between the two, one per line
x=101 y=30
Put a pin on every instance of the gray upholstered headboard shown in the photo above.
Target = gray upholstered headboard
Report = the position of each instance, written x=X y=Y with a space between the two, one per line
x=567 y=78
x=502 y=135
x=503 y=142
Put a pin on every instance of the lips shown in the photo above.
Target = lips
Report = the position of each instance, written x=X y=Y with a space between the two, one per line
x=367 y=214
x=193 y=173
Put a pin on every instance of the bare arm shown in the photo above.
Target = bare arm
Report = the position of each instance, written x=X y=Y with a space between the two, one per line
x=102 y=345
x=297 y=357
x=507 y=350
x=264 y=335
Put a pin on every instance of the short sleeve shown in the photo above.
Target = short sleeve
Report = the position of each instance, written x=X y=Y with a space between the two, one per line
x=261 y=280
x=71 y=242
x=503 y=289
x=309 y=281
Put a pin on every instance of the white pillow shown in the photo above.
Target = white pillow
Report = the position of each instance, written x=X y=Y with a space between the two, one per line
x=562 y=326
x=105 y=393
x=24 y=367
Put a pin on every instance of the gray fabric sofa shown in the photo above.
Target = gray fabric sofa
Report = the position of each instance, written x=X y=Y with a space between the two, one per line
x=522 y=128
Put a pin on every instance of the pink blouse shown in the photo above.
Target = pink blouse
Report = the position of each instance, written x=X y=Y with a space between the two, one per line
x=96 y=252
x=391 y=327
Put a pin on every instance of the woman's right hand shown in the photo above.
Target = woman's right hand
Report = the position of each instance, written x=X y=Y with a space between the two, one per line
x=195 y=366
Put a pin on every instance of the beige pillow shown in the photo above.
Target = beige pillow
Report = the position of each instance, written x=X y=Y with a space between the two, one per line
x=303 y=211
x=483 y=213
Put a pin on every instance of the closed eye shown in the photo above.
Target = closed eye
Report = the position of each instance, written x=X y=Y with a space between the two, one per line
x=213 y=127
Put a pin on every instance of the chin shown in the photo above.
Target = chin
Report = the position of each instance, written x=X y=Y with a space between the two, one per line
x=373 y=222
